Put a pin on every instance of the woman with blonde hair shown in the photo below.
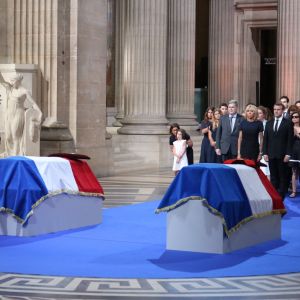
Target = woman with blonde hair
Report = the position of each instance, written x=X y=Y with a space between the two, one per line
x=250 y=135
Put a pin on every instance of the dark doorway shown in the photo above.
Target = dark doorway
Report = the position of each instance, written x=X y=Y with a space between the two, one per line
x=201 y=58
x=267 y=87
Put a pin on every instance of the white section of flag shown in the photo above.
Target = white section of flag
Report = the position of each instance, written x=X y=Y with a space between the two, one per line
x=56 y=173
x=259 y=198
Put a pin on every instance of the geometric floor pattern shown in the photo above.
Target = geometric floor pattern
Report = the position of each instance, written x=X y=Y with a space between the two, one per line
x=125 y=190
x=14 y=286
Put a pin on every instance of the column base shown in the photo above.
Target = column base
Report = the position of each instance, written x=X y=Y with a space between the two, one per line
x=56 y=138
x=143 y=129
x=183 y=120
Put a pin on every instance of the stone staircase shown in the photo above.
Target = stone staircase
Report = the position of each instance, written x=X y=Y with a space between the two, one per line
x=127 y=162
x=136 y=153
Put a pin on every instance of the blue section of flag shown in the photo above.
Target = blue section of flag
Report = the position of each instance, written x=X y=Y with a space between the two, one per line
x=219 y=184
x=21 y=185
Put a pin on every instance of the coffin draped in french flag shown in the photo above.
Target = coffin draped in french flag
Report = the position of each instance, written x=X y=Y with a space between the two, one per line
x=236 y=192
x=26 y=182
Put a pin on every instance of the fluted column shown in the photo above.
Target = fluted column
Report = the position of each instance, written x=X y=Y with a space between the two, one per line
x=221 y=51
x=181 y=62
x=36 y=36
x=288 y=66
x=145 y=67
x=119 y=61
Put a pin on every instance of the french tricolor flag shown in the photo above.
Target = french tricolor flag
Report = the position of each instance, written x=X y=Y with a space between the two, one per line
x=237 y=192
x=27 y=181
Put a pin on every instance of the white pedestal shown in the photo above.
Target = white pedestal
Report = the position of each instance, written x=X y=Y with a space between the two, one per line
x=191 y=227
x=57 y=213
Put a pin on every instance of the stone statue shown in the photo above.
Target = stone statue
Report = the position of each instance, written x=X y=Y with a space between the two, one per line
x=18 y=102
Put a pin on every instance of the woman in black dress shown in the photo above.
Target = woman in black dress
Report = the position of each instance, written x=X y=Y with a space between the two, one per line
x=296 y=152
x=250 y=139
x=212 y=133
x=204 y=127
x=189 y=151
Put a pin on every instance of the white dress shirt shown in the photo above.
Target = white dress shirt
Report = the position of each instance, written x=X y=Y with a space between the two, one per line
x=232 y=119
x=279 y=122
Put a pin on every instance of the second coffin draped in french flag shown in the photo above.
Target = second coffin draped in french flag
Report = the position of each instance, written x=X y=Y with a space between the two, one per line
x=237 y=193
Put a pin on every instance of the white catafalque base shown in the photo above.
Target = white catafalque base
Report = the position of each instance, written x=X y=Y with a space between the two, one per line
x=191 y=227
x=57 y=213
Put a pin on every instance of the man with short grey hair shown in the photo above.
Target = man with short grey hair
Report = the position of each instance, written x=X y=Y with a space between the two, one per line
x=228 y=132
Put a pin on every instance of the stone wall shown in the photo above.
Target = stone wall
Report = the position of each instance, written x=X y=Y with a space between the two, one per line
x=67 y=41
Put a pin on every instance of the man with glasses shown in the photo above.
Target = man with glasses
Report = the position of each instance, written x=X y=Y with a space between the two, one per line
x=277 y=148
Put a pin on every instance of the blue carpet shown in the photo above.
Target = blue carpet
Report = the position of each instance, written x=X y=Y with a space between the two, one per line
x=131 y=244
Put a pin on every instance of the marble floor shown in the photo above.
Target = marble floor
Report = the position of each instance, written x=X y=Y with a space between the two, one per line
x=125 y=190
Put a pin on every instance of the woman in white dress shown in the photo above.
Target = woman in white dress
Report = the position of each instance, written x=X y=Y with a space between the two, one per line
x=179 y=152
x=15 y=114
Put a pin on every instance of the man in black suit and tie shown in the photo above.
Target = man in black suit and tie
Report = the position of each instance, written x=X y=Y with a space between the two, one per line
x=277 y=148
x=285 y=102
x=228 y=132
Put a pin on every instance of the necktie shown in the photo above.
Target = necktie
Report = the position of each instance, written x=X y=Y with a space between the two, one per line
x=276 y=125
x=231 y=122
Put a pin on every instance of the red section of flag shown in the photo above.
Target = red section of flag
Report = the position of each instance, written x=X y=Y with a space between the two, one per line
x=84 y=177
x=276 y=198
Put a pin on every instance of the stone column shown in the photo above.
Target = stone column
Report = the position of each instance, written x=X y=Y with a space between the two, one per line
x=145 y=67
x=88 y=80
x=288 y=54
x=3 y=31
x=119 y=61
x=181 y=62
x=221 y=52
x=36 y=35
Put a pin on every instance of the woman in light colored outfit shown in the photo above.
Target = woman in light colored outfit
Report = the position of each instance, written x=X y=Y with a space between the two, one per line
x=179 y=152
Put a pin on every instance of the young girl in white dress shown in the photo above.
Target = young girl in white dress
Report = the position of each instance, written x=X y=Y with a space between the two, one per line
x=179 y=152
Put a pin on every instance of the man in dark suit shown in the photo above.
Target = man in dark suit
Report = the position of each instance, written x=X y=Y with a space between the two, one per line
x=277 y=148
x=228 y=132
x=285 y=102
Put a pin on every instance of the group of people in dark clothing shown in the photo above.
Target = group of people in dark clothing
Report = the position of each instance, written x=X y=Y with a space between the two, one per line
x=257 y=136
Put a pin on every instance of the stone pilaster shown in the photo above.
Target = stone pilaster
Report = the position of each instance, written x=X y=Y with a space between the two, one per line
x=145 y=67
x=288 y=66
x=119 y=61
x=88 y=79
x=221 y=51
x=36 y=36
x=3 y=31
x=181 y=62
